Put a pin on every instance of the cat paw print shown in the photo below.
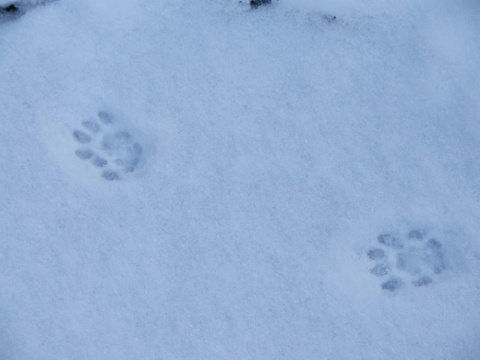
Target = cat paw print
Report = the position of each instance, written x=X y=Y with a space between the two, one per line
x=415 y=259
x=113 y=151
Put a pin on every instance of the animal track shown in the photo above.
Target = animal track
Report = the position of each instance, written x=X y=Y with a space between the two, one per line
x=107 y=148
x=411 y=259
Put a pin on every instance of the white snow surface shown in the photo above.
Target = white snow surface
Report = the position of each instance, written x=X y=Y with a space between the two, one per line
x=277 y=146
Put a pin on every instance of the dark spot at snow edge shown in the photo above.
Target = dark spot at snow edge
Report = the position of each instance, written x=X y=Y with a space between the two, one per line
x=256 y=3
x=11 y=9
x=17 y=9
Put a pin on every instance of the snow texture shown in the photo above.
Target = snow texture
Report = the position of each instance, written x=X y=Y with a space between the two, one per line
x=206 y=180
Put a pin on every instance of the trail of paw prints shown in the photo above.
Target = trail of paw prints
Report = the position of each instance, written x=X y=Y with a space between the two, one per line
x=415 y=259
x=114 y=152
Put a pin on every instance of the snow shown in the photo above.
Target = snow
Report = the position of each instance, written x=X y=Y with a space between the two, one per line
x=277 y=144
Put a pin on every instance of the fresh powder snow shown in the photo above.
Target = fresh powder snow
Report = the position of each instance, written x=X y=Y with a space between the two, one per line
x=211 y=180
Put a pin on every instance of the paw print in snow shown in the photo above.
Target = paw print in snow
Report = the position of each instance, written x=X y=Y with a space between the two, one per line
x=415 y=259
x=113 y=151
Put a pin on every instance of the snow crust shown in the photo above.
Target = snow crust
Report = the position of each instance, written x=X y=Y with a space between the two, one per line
x=277 y=145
